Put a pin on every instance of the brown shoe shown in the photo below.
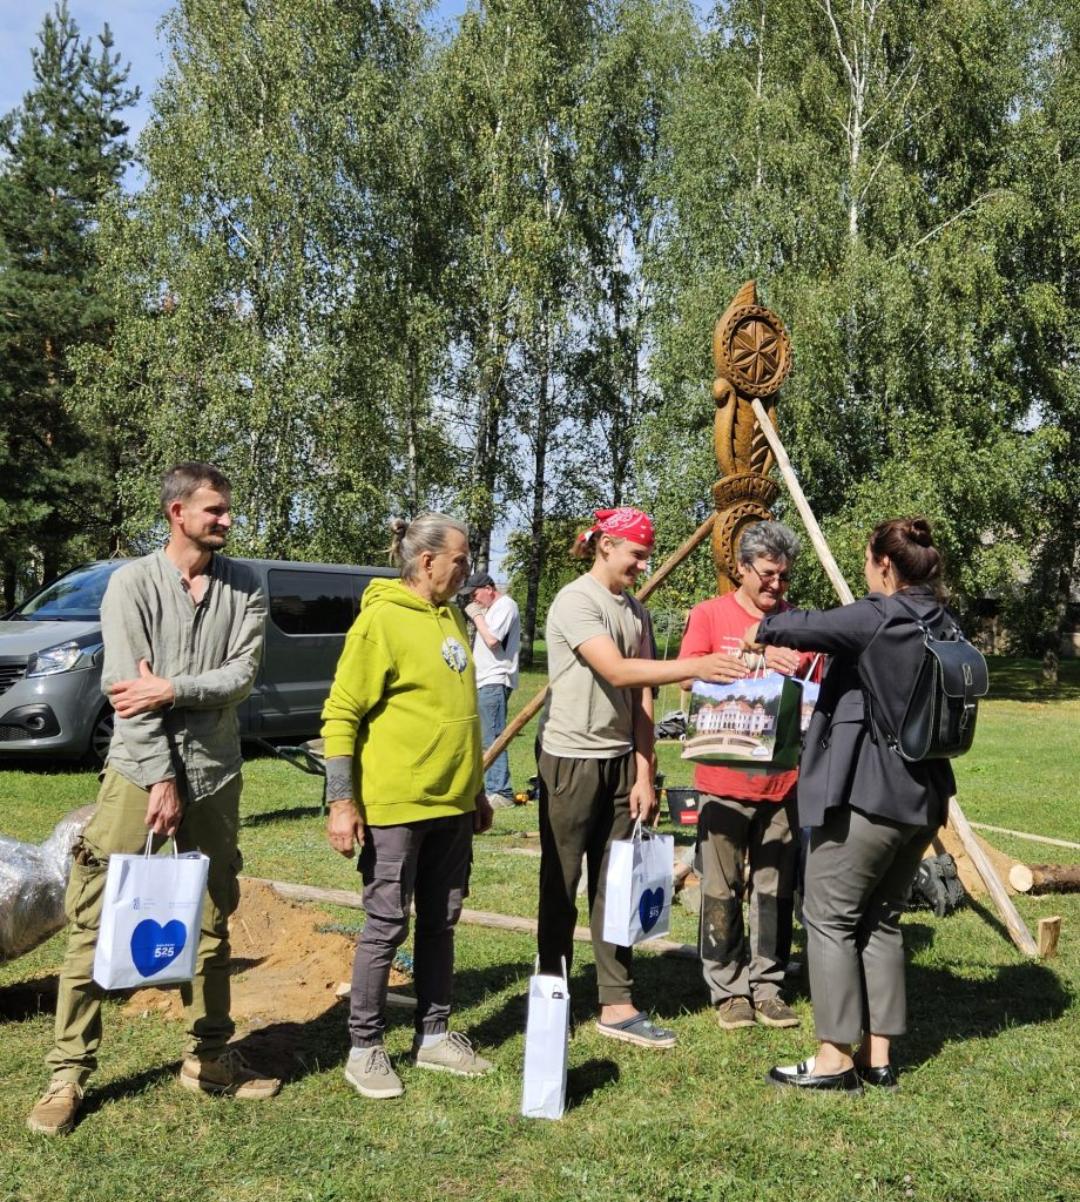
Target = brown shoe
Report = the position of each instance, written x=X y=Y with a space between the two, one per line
x=775 y=1012
x=55 y=1112
x=734 y=1013
x=229 y=1074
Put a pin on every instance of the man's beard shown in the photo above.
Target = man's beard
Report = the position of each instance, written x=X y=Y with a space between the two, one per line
x=213 y=541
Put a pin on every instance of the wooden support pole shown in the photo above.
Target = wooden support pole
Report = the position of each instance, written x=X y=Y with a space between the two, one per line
x=479 y=918
x=1019 y=933
x=514 y=727
x=802 y=505
x=533 y=707
x=675 y=558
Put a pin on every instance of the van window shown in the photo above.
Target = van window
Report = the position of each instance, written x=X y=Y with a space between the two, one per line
x=314 y=602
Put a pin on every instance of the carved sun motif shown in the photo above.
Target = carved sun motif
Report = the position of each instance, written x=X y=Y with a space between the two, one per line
x=751 y=348
x=755 y=351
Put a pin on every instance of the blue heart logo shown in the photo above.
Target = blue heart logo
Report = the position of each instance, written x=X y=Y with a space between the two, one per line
x=650 y=908
x=153 y=946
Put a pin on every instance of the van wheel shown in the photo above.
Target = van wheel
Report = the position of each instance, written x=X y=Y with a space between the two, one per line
x=101 y=736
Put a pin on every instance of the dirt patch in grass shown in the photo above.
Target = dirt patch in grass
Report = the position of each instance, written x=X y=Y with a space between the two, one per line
x=284 y=968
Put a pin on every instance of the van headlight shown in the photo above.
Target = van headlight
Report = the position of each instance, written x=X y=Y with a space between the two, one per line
x=64 y=657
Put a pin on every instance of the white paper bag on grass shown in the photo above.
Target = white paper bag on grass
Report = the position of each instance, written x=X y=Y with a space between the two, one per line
x=547 y=1043
x=150 y=919
x=638 y=888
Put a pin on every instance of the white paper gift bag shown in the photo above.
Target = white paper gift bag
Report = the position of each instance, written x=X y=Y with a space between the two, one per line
x=638 y=888
x=150 y=919
x=547 y=1043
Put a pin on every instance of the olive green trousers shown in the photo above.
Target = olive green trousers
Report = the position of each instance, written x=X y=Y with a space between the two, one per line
x=118 y=826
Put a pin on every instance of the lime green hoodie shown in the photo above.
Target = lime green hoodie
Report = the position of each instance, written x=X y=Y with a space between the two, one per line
x=403 y=705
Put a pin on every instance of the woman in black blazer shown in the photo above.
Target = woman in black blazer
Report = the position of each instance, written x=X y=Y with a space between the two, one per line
x=872 y=812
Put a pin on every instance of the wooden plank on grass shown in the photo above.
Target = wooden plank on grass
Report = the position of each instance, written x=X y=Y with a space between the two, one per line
x=479 y=918
x=1004 y=830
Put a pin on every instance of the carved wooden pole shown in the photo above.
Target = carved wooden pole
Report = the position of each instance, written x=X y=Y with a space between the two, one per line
x=752 y=358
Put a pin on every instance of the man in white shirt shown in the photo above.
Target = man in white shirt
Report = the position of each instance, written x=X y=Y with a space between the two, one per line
x=495 y=652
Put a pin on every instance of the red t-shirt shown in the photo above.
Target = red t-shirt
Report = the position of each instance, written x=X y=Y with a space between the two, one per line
x=712 y=626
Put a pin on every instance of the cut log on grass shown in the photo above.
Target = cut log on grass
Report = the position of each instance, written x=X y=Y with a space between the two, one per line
x=478 y=918
x=1018 y=932
x=1049 y=931
x=1045 y=878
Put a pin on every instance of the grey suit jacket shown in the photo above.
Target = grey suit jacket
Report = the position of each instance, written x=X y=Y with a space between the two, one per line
x=846 y=760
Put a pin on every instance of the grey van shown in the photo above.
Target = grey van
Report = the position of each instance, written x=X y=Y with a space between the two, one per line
x=50 y=657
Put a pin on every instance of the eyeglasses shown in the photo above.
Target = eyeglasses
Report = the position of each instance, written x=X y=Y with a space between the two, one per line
x=781 y=578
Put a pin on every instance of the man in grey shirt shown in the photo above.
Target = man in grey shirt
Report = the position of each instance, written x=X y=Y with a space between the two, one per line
x=183 y=631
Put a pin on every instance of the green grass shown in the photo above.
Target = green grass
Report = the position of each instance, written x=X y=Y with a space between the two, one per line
x=988 y=1109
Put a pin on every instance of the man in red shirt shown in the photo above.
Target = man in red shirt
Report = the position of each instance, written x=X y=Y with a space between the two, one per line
x=747 y=813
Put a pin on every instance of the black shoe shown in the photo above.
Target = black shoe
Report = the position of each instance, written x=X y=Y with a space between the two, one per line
x=802 y=1076
x=883 y=1077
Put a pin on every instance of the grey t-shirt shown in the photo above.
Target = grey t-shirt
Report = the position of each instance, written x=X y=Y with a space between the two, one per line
x=585 y=717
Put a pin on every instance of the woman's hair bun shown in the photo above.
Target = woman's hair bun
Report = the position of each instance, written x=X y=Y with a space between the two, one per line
x=919 y=531
x=399 y=526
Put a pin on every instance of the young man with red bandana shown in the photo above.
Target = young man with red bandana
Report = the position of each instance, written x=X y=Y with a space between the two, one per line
x=596 y=751
x=747 y=814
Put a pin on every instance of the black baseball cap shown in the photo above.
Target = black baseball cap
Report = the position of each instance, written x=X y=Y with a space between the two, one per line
x=478 y=580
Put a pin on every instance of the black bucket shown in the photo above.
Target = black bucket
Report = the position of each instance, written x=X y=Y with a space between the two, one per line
x=682 y=806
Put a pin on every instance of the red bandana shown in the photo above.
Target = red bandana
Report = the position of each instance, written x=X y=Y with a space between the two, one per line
x=631 y=524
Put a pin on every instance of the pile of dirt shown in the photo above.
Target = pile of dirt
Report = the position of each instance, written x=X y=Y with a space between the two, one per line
x=284 y=968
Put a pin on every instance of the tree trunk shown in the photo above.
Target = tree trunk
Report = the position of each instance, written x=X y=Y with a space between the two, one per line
x=536 y=523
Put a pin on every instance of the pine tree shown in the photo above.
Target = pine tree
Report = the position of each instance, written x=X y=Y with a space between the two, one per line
x=64 y=149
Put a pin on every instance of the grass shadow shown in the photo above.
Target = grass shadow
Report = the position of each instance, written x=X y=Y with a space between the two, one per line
x=265 y=818
x=989 y=917
x=945 y=1008
x=583 y=1080
x=472 y=986
x=292 y=1049
x=98 y=1096
x=28 y=999
x=1021 y=680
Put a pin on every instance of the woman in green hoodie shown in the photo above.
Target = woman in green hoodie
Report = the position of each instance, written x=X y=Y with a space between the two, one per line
x=405 y=782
